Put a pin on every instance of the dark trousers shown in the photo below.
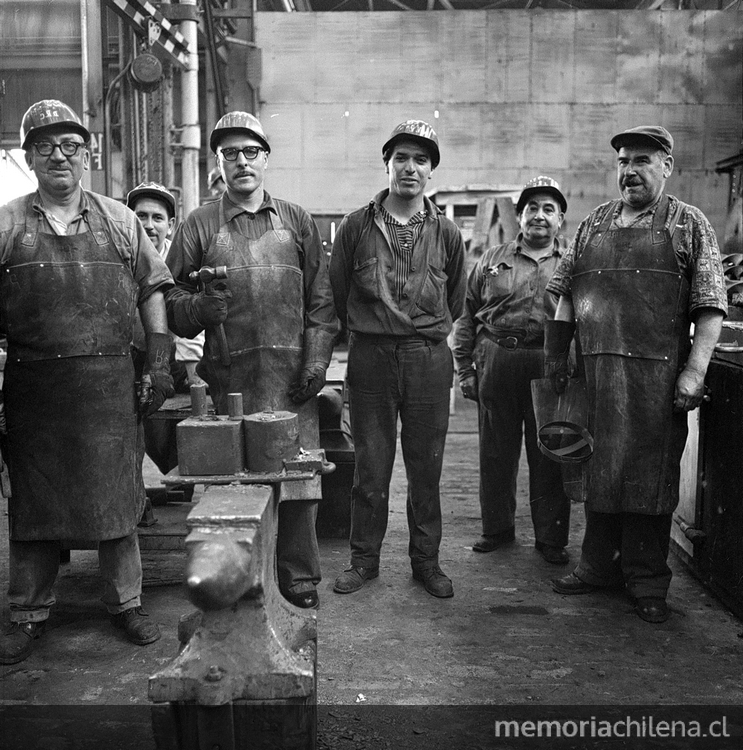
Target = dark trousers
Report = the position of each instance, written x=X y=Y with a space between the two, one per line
x=411 y=379
x=506 y=416
x=627 y=547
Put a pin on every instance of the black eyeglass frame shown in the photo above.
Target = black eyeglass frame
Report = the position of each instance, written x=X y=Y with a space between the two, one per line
x=235 y=152
x=64 y=147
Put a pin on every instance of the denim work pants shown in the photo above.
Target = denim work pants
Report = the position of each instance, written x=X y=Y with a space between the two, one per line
x=387 y=378
x=506 y=415
x=627 y=547
x=34 y=567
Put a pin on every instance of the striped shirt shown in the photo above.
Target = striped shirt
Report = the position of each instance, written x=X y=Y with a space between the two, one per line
x=402 y=238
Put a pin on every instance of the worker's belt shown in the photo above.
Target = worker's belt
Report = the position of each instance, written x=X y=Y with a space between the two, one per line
x=510 y=342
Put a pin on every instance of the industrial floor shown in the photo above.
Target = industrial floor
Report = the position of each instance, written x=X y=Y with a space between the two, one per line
x=396 y=667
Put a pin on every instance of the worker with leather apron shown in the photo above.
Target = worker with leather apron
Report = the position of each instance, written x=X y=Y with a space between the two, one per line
x=74 y=268
x=640 y=270
x=270 y=325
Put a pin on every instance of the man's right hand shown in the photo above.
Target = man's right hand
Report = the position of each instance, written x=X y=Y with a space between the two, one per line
x=558 y=334
x=468 y=384
x=210 y=309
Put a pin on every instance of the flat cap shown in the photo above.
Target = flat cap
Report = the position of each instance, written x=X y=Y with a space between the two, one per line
x=651 y=134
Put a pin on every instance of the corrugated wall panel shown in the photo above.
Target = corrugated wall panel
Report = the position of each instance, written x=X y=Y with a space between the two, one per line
x=517 y=93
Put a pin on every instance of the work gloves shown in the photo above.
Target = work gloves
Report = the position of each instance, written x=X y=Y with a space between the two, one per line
x=209 y=309
x=558 y=334
x=156 y=384
x=468 y=384
x=310 y=382
x=318 y=348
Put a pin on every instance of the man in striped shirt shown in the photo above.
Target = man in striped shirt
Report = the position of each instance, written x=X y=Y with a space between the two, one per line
x=397 y=271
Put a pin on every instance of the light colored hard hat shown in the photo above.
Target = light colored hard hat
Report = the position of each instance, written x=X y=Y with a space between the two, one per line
x=46 y=114
x=541 y=184
x=416 y=130
x=153 y=190
x=238 y=122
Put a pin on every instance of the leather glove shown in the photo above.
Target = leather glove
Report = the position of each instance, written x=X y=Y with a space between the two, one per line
x=310 y=382
x=558 y=334
x=209 y=309
x=156 y=384
x=468 y=384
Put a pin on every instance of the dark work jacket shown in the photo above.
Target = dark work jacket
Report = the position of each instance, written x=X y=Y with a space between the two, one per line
x=362 y=268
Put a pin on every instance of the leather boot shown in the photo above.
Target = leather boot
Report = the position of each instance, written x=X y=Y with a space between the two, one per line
x=17 y=641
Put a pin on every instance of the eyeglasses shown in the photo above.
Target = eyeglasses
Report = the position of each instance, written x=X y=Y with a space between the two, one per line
x=67 y=148
x=249 y=152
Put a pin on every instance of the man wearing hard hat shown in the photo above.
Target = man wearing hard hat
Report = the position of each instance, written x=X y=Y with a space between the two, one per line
x=76 y=267
x=639 y=271
x=498 y=348
x=397 y=270
x=276 y=310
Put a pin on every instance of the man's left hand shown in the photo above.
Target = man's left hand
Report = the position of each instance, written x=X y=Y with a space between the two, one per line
x=689 y=390
x=310 y=382
x=156 y=384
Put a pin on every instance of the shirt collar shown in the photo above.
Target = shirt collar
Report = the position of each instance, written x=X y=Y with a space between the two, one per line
x=231 y=210
x=431 y=209
x=557 y=248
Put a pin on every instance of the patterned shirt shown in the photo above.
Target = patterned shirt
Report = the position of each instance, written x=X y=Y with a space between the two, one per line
x=697 y=254
x=402 y=239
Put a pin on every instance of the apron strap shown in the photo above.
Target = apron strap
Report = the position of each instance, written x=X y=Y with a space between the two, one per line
x=598 y=235
x=95 y=224
x=32 y=224
x=659 y=221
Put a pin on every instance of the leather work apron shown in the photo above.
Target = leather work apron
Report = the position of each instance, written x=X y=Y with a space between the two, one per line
x=264 y=325
x=631 y=307
x=74 y=448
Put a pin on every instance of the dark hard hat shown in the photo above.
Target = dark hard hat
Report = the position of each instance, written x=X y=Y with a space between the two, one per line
x=650 y=135
x=152 y=190
x=47 y=114
x=541 y=184
x=414 y=130
x=238 y=122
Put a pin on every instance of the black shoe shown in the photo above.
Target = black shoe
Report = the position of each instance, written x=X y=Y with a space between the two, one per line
x=353 y=579
x=552 y=554
x=490 y=542
x=17 y=642
x=434 y=581
x=571 y=584
x=305 y=599
x=136 y=625
x=652 y=609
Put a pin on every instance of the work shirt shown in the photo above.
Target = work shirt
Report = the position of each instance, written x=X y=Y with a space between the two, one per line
x=362 y=273
x=506 y=297
x=402 y=239
x=697 y=252
x=124 y=229
x=192 y=239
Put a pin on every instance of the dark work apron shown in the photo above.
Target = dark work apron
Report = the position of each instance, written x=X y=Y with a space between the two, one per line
x=264 y=326
x=631 y=306
x=73 y=445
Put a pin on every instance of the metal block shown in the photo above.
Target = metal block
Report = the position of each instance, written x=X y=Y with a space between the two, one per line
x=209 y=445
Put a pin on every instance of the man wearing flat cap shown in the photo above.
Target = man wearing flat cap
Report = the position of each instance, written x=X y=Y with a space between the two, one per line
x=397 y=271
x=639 y=272
x=499 y=350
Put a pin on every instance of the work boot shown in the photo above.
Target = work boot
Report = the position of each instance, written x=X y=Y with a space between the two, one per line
x=652 y=608
x=490 y=542
x=353 y=579
x=17 y=642
x=136 y=626
x=434 y=581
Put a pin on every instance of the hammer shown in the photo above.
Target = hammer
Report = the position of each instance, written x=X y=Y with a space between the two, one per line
x=206 y=276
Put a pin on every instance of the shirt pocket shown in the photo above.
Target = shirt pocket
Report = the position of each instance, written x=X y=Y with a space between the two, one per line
x=433 y=292
x=499 y=280
x=365 y=278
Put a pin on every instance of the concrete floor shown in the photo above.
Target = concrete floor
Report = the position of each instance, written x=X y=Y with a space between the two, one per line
x=398 y=668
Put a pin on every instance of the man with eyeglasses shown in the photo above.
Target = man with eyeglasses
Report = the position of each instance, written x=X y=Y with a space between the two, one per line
x=76 y=266
x=277 y=314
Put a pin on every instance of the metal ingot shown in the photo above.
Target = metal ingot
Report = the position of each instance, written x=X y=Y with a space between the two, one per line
x=270 y=437
x=562 y=421
x=210 y=445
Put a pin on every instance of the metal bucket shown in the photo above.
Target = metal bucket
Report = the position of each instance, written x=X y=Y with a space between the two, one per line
x=562 y=419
